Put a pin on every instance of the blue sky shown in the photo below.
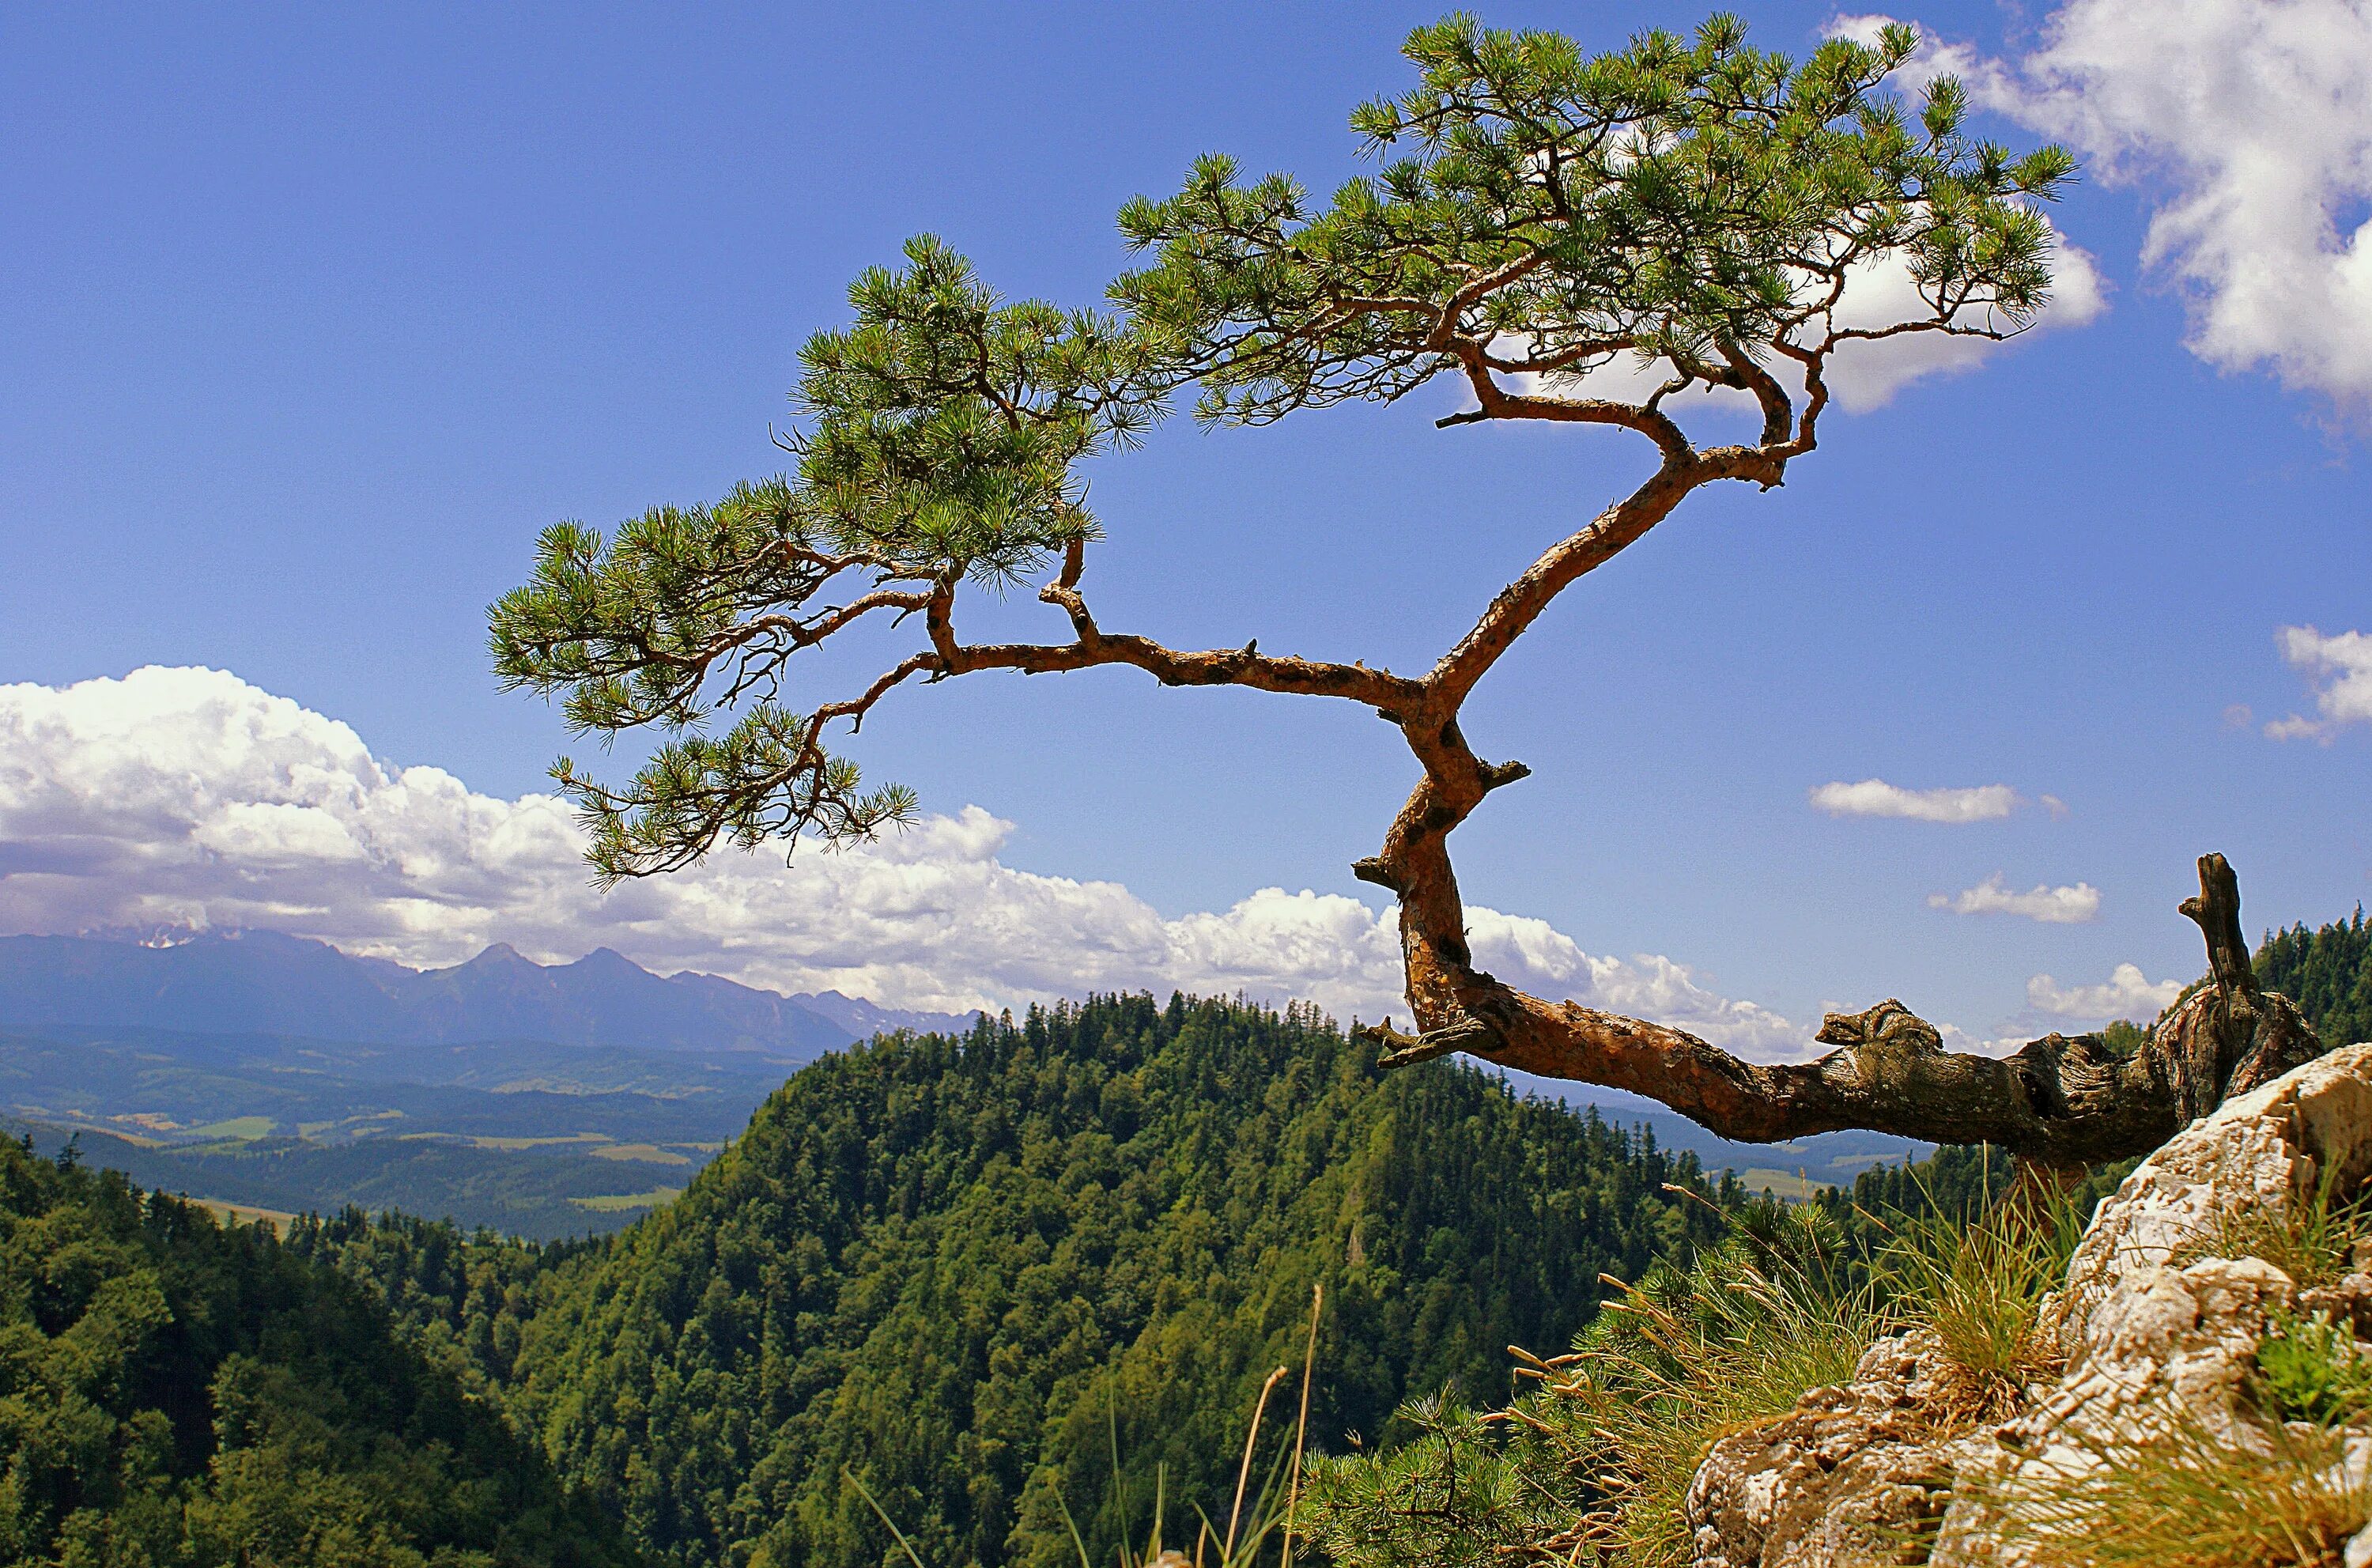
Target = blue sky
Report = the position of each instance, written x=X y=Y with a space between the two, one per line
x=310 y=319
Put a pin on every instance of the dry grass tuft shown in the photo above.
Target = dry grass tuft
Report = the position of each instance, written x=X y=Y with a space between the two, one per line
x=2185 y=1499
x=1982 y=1288
x=1682 y=1362
x=2309 y=1241
x=1729 y=1363
x=1592 y=1464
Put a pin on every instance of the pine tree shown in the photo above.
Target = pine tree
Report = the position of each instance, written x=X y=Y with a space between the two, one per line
x=1550 y=230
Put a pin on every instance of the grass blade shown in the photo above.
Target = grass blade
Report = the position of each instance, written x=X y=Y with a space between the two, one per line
x=1301 y=1426
x=903 y=1545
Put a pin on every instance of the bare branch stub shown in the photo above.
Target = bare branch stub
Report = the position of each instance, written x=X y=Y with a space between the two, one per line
x=1540 y=221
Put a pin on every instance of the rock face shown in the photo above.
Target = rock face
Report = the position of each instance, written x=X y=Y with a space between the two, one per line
x=1878 y=1471
x=1845 y=1476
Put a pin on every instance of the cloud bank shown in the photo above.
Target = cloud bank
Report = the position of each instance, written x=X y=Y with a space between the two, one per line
x=1876 y=797
x=189 y=797
x=2128 y=994
x=2054 y=906
x=2339 y=669
x=2252 y=123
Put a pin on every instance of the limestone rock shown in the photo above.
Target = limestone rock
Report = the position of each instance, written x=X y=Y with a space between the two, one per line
x=2262 y=1151
x=2149 y=1344
x=2350 y=1300
x=1845 y=1478
x=1868 y=1473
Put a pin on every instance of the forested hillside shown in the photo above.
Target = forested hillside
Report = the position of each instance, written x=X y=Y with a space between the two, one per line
x=174 y=1392
x=969 y=1269
x=973 y=1272
x=2326 y=973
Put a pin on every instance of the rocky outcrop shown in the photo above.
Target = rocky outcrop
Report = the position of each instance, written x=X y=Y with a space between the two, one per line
x=2159 y=1330
x=1845 y=1476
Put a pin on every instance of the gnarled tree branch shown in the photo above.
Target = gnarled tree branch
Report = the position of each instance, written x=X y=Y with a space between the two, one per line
x=2056 y=1101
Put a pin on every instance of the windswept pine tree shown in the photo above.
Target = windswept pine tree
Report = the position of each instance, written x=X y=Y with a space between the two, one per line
x=1584 y=242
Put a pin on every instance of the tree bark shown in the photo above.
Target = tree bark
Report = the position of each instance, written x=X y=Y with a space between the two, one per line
x=2058 y=1101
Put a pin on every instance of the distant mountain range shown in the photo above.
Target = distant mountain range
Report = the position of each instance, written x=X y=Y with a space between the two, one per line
x=263 y=983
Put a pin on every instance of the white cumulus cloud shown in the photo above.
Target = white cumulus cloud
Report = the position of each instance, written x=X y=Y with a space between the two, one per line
x=2340 y=667
x=1862 y=375
x=190 y=797
x=2127 y=994
x=1867 y=375
x=2250 y=122
x=1876 y=797
x=2055 y=906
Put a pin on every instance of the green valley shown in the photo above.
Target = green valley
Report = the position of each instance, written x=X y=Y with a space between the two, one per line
x=529 y=1138
x=1001 y=1284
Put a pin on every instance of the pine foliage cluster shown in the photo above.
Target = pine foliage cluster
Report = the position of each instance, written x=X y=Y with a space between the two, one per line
x=1685 y=207
x=1677 y=200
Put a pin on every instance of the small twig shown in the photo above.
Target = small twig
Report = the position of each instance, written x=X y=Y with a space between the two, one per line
x=1406 y=1049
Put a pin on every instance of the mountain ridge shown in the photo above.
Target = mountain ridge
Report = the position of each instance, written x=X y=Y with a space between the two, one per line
x=265 y=982
x=231 y=982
